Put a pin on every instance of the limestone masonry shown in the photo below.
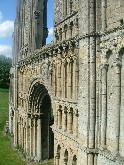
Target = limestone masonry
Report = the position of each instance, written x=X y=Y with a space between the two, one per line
x=67 y=97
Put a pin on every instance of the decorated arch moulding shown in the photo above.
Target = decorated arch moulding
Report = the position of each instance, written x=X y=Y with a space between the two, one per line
x=36 y=81
x=21 y=69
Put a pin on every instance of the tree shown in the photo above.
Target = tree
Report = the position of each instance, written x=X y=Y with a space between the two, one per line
x=5 y=65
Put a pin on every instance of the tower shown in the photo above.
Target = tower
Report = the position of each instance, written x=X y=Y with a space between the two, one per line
x=30 y=31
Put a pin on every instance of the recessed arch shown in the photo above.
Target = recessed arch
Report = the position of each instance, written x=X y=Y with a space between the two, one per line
x=108 y=54
x=40 y=113
x=121 y=53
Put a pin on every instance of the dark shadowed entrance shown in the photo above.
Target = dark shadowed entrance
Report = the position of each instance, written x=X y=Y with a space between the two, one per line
x=41 y=109
x=46 y=131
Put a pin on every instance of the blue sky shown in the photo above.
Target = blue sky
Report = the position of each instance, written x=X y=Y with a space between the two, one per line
x=7 y=17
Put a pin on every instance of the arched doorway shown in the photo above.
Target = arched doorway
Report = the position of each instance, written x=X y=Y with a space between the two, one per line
x=41 y=116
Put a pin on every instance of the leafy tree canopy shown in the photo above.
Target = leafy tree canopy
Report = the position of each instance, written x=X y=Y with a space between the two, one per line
x=5 y=65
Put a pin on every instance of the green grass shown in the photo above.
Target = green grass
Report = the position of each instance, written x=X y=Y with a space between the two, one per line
x=8 y=155
x=3 y=107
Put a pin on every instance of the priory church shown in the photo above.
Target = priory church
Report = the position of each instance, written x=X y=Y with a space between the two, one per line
x=67 y=97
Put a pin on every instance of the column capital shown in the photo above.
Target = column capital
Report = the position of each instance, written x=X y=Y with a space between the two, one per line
x=77 y=114
x=57 y=156
x=104 y=66
x=117 y=63
x=65 y=110
x=69 y=26
x=76 y=22
x=60 y=110
x=70 y=112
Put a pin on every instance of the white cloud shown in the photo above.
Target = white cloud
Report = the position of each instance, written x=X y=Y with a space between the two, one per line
x=51 y=31
x=6 y=50
x=6 y=29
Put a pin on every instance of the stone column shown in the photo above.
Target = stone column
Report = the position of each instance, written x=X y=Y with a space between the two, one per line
x=27 y=136
x=69 y=79
x=54 y=79
x=70 y=121
x=62 y=79
x=15 y=125
x=117 y=66
x=76 y=124
x=63 y=33
x=19 y=133
x=66 y=79
x=39 y=139
x=56 y=117
x=74 y=79
x=104 y=15
x=30 y=137
x=69 y=31
x=64 y=7
x=76 y=26
x=23 y=81
x=65 y=119
x=68 y=7
x=57 y=157
x=34 y=140
x=104 y=105
x=24 y=137
x=92 y=78
x=60 y=35
x=59 y=80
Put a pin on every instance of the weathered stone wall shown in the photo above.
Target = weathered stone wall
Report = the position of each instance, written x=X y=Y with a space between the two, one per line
x=81 y=72
x=114 y=13
x=112 y=96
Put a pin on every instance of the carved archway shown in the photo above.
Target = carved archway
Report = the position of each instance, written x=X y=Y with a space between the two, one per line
x=41 y=118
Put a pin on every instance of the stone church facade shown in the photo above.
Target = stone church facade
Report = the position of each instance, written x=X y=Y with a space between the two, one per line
x=67 y=97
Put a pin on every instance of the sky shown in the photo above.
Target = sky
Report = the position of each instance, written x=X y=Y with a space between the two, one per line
x=7 y=17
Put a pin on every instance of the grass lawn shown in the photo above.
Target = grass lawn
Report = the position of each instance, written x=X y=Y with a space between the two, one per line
x=9 y=156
